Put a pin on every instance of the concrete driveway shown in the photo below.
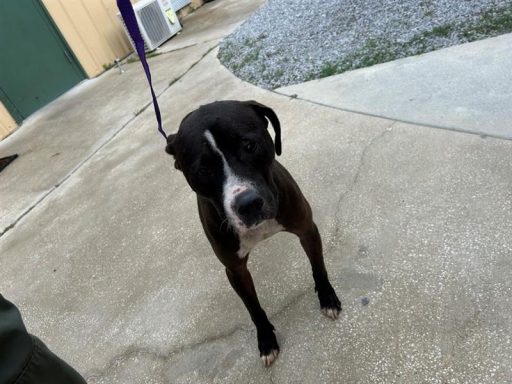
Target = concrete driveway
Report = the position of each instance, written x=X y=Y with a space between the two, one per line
x=464 y=88
x=104 y=254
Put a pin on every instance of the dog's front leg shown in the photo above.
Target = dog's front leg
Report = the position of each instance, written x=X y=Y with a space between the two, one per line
x=312 y=244
x=241 y=281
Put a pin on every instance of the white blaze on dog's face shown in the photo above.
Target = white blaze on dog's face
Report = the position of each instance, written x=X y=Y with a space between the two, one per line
x=232 y=186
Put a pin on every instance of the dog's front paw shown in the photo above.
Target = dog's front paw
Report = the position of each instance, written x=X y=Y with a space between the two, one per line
x=270 y=357
x=269 y=349
x=329 y=302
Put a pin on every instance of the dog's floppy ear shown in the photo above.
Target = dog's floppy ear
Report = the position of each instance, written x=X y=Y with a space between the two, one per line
x=170 y=144
x=265 y=111
x=171 y=139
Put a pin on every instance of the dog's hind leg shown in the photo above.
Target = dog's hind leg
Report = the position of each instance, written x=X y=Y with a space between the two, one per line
x=312 y=244
x=241 y=281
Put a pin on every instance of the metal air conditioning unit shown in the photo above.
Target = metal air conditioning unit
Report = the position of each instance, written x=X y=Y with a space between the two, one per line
x=156 y=24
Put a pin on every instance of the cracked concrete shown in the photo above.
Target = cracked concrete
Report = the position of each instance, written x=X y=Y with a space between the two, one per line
x=357 y=174
x=113 y=271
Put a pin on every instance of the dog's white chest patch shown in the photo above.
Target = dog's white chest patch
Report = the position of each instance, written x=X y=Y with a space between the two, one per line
x=251 y=237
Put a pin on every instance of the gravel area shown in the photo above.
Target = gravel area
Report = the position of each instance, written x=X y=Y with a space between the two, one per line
x=287 y=42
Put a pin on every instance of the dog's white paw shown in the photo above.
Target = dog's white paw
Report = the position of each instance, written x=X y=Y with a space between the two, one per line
x=329 y=302
x=331 y=313
x=269 y=359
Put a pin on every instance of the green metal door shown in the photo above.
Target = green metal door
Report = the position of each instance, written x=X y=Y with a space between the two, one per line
x=36 y=66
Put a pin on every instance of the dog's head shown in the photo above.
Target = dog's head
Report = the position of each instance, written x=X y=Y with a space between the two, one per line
x=226 y=154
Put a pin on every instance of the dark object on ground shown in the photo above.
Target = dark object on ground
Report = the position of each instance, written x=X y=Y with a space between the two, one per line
x=5 y=161
x=24 y=358
x=365 y=300
x=244 y=196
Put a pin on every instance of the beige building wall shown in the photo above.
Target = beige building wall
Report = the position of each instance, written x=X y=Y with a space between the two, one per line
x=7 y=123
x=92 y=30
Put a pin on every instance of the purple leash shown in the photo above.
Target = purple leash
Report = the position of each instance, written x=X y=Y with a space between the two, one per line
x=126 y=9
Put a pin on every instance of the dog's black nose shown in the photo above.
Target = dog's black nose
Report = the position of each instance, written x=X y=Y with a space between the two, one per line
x=248 y=205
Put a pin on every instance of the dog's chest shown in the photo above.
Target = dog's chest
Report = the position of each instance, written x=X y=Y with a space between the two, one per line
x=250 y=238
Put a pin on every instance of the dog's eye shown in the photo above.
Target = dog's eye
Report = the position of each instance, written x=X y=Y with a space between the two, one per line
x=203 y=171
x=250 y=147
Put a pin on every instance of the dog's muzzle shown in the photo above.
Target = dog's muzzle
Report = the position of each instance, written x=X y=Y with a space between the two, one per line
x=248 y=206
